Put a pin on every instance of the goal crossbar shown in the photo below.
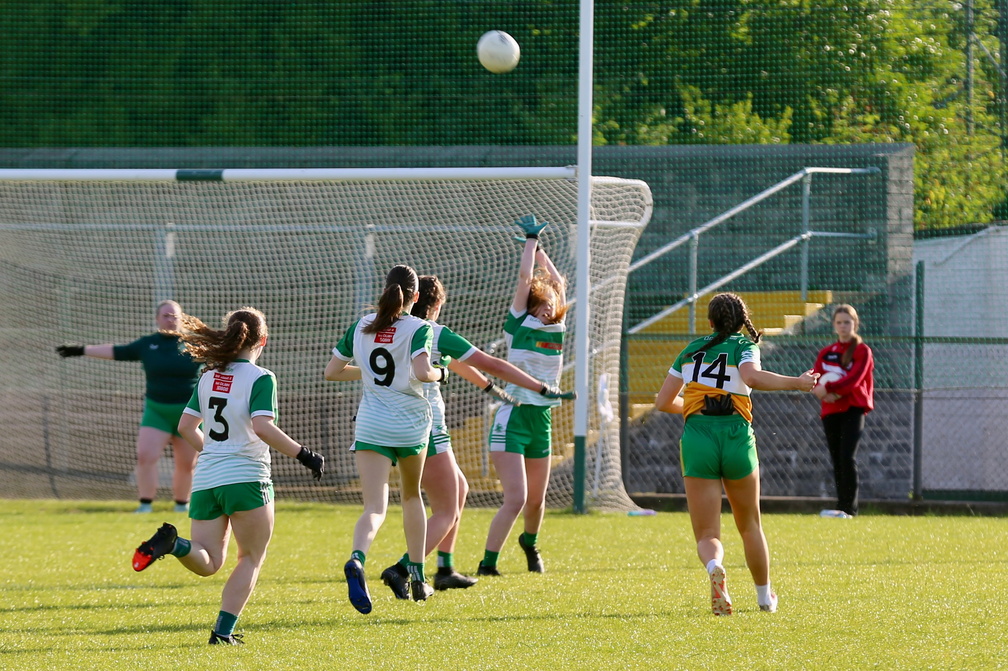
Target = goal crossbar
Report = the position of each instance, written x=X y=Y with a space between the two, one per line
x=285 y=174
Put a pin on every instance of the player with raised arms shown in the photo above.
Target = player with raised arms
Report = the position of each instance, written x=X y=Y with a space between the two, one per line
x=171 y=376
x=443 y=480
x=235 y=401
x=392 y=350
x=521 y=435
x=718 y=447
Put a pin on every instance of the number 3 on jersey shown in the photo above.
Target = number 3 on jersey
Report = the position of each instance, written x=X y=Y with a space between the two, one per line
x=217 y=404
x=715 y=373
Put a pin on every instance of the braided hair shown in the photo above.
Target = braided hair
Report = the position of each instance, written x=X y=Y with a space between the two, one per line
x=729 y=313
x=218 y=348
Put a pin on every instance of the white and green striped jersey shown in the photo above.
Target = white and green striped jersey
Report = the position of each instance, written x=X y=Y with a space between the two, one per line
x=393 y=410
x=446 y=343
x=537 y=349
x=227 y=401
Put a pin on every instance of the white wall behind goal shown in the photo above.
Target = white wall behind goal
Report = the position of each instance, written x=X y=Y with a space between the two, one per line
x=966 y=296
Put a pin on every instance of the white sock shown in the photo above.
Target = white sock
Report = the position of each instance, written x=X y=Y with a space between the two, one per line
x=763 y=594
x=712 y=564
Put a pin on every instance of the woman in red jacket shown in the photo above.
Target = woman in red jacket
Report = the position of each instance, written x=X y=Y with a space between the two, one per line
x=846 y=390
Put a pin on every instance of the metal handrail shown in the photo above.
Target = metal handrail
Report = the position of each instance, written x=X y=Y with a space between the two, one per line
x=692 y=236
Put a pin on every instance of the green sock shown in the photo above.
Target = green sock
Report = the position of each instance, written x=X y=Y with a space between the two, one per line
x=490 y=558
x=404 y=561
x=358 y=555
x=182 y=547
x=415 y=571
x=225 y=624
x=445 y=560
x=530 y=539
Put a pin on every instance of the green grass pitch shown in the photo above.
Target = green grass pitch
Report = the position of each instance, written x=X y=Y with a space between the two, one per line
x=876 y=592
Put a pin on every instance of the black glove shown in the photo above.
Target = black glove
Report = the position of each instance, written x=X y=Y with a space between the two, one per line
x=444 y=373
x=70 y=350
x=549 y=391
x=500 y=394
x=313 y=461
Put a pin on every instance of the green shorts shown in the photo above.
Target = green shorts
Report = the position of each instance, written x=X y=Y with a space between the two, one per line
x=209 y=504
x=162 y=416
x=439 y=442
x=718 y=447
x=393 y=453
x=522 y=429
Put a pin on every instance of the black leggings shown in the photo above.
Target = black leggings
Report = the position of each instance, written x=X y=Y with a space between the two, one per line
x=843 y=433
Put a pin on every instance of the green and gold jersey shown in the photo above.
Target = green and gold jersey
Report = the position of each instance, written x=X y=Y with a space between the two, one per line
x=714 y=372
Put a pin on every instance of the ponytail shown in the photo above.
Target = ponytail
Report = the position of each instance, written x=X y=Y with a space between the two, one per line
x=400 y=289
x=218 y=348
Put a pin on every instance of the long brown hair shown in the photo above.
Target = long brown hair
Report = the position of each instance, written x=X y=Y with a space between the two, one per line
x=430 y=293
x=218 y=348
x=856 y=338
x=400 y=289
x=539 y=293
x=729 y=313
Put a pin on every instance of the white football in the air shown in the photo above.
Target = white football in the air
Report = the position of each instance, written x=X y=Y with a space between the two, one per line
x=498 y=52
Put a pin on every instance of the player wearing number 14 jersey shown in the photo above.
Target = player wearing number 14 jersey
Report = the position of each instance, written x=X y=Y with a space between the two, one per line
x=718 y=448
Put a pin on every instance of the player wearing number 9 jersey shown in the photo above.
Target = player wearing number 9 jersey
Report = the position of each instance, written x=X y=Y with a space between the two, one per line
x=392 y=350
x=235 y=401
x=718 y=448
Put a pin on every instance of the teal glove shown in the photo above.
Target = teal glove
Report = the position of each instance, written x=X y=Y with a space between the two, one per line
x=531 y=227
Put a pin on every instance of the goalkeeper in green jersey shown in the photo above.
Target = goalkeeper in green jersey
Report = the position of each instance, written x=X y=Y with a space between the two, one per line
x=443 y=480
x=718 y=448
x=235 y=402
x=520 y=436
x=171 y=375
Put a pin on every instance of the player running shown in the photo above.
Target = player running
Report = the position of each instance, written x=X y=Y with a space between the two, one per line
x=235 y=401
x=718 y=447
x=392 y=349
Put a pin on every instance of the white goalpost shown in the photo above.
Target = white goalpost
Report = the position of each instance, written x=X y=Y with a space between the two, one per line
x=86 y=254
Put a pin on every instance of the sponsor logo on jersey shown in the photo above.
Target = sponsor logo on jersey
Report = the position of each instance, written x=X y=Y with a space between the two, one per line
x=222 y=382
x=549 y=345
x=385 y=337
x=153 y=345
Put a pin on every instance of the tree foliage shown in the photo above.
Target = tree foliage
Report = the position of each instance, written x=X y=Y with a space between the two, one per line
x=365 y=72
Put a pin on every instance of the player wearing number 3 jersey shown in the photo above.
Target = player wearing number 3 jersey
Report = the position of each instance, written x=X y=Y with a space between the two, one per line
x=392 y=350
x=235 y=402
x=718 y=448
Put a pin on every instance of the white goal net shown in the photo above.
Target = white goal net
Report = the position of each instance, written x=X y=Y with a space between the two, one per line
x=86 y=260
